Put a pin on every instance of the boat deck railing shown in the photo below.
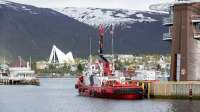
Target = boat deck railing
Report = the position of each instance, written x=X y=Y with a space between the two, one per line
x=167 y=21
x=195 y=18
x=197 y=35
x=167 y=36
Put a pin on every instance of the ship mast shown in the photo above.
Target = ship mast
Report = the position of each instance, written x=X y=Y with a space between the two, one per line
x=112 y=46
x=106 y=65
x=101 y=34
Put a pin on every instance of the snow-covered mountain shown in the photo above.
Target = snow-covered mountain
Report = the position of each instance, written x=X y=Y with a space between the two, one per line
x=70 y=29
x=95 y=12
x=161 y=7
x=142 y=5
x=96 y=16
x=18 y=7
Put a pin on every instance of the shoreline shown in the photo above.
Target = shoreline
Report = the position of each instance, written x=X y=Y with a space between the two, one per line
x=54 y=77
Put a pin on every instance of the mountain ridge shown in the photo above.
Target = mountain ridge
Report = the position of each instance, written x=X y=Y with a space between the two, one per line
x=31 y=31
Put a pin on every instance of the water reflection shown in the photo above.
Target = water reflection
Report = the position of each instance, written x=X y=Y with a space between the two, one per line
x=185 y=106
x=59 y=95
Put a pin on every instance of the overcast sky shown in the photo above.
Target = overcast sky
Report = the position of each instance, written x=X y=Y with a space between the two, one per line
x=122 y=4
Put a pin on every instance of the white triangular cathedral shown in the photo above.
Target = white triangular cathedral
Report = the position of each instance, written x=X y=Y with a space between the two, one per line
x=58 y=57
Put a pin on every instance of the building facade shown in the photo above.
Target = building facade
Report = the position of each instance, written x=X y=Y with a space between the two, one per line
x=59 y=57
x=184 y=34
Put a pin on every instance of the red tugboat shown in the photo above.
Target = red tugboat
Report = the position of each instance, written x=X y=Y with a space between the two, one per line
x=101 y=80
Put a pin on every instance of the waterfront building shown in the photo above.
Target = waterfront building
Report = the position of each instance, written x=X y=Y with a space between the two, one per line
x=41 y=65
x=3 y=70
x=21 y=69
x=144 y=75
x=184 y=35
x=59 y=57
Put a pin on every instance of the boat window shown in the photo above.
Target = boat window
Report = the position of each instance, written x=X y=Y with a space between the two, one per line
x=197 y=27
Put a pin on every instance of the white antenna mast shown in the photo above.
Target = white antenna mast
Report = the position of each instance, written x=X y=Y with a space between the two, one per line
x=30 y=62
x=90 y=50
x=4 y=60
x=20 y=63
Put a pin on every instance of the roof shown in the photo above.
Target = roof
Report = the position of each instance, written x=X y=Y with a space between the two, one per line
x=57 y=56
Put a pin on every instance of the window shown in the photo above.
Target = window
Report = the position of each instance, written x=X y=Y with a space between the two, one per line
x=197 y=27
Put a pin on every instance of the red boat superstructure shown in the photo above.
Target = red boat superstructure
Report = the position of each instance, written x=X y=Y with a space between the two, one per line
x=101 y=80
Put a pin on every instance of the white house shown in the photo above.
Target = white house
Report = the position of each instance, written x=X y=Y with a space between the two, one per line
x=21 y=70
x=145 y=75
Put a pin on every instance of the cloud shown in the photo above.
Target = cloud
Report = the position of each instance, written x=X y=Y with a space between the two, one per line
x=110 y=4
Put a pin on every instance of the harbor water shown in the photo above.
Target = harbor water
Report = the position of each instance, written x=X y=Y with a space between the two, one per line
x=59 y=95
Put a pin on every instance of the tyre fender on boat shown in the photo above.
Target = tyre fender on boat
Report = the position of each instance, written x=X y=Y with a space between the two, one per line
x=76 y=86
x=79 y=90
x=95 y=93
x=103 y=91
x=90 y=92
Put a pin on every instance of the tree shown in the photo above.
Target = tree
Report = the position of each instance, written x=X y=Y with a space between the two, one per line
x=80 y=68
x=52 y=68
x=66 y=68
x=33 y=66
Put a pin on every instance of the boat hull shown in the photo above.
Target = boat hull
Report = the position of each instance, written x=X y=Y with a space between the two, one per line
x=128 y=93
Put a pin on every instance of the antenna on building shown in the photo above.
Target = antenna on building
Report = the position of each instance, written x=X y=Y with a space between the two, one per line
x=4 y=60
x=90 y=50
x=20 y=61
x=30 y=62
